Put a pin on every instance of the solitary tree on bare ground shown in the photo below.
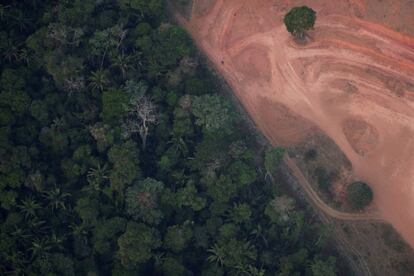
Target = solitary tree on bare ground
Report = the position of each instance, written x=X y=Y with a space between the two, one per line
x=298 y=20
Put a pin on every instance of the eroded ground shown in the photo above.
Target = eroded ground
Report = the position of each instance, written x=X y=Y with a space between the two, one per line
x=353 y=80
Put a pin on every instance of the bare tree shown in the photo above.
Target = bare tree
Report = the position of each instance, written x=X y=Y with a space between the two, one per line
x=142 y=114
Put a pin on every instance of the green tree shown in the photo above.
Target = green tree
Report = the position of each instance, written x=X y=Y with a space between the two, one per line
x=273 y=158
x=300 y=19
x=137 y=244
x=213 y=113
x=113 y=105
x=321 y=267
x=240 y=213
x=171 y=266
x=99 y=80
x=142 y=200
x=359 y=195
x=178 y=237
x=189 y=196
x=125 y=165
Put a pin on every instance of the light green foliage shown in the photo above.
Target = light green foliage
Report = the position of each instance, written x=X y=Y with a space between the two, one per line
x=213 y=113
x=137 y=244
x=240 y=213
x=188 y=196
x=233 y=253
x=273 y=158
x=221 y=188
x=280 y=209
x=242 y=173
x=228 y=231
x=142 y=200
x=178 y=237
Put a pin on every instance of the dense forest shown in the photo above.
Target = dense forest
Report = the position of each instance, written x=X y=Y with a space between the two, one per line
x=120 y=156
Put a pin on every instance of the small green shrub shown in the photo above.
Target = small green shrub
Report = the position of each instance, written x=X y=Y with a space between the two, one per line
x=359 y=195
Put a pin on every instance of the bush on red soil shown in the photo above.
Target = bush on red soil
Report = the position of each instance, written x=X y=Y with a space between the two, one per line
x=300 y=19
x=359 y=195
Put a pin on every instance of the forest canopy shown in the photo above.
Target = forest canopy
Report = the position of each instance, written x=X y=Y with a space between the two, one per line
x=119 y=154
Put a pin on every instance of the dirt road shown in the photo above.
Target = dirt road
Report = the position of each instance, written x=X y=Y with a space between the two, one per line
x=354 y=81
x=318 y=202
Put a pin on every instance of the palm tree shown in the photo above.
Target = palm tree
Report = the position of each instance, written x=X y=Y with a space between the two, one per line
x=11 y=53
x=37 y=226
x=97 y=176
x=25 y=56
x=3 y=11
x=20 y=20
x=258 y=233
x=21 y=233
x=99 y=80
x=80 y=231
x=217 y=255
x=39 y=247
x=56 y=241
x=56 y=198
x=179 y=145
x=29 y=207
x=122 y=62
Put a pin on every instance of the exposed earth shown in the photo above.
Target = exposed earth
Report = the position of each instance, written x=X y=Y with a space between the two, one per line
x=353 y=80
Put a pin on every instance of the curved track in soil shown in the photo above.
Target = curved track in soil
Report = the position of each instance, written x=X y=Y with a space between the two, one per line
x=320 y=204
x=353 y=80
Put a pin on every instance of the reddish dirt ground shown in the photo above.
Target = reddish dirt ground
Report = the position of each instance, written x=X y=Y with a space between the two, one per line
x=353 y=80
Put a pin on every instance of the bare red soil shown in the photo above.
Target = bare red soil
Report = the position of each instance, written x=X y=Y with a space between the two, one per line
x=353 y=80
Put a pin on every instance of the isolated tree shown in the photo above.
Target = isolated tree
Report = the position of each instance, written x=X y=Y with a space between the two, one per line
x=359 y=194
x=300 y=19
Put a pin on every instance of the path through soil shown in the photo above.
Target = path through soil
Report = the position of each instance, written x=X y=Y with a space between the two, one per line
x=353 y=80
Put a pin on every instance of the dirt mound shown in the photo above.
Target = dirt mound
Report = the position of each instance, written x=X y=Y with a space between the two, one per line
x=362 y=136
x=357 y=64
x=253 y=63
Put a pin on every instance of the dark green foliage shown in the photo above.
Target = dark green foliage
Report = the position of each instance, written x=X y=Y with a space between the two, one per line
x=84 y=85
x=273 y=158
x=113 y=105
x=323 y=178
x=142 y=200
x=300 y=19
x=136 y=245
x=359 y=195
x=311 y=154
